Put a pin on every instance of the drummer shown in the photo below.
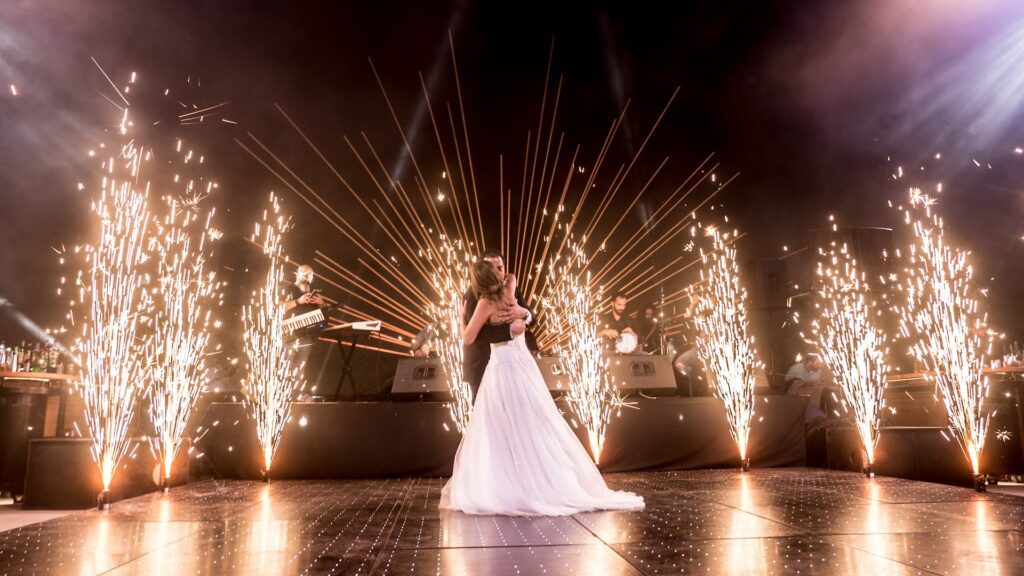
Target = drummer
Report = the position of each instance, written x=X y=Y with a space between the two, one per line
x=616 y=329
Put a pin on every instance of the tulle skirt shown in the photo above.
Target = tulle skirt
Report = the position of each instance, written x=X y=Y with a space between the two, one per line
x=519 y=457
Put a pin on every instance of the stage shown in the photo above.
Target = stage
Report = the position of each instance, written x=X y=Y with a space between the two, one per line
x=399 y=439
x=767 y=521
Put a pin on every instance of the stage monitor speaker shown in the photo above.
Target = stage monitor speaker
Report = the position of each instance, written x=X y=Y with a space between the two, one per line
x=420 y=376
x=417 y=377
x=649 y=374
x=554 y=375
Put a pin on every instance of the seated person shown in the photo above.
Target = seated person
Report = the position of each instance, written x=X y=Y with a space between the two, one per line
x=807 y=378
x=421 y=345
x=807 y=370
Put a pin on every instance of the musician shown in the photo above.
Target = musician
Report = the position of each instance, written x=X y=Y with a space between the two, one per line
x=688 y=362
x=615 y=324
x=303 y=299
x=476 y=355
x=649 y=329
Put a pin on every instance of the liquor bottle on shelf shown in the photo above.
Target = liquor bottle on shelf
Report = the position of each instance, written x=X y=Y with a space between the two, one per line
x=26 y=357
x=12 y=363
x=39 y=358
x=42 y=359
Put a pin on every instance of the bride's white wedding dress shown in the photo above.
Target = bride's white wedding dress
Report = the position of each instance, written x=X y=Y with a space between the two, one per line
x=519 y=457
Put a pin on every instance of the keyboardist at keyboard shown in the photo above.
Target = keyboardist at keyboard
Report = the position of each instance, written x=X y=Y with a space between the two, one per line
x=304 y=302
x=302 y=298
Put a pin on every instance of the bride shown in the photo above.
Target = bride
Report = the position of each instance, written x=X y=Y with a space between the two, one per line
x=518 y=456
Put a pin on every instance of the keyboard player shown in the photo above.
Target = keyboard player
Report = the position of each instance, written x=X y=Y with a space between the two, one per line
x=303 y=299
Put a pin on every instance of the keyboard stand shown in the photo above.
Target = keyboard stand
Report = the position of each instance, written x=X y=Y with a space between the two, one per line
x=347 y=347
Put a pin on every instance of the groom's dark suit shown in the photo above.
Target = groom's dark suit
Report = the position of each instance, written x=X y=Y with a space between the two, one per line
x=475 y=356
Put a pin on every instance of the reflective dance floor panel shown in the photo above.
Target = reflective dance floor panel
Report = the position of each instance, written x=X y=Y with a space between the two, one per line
x=771 y=521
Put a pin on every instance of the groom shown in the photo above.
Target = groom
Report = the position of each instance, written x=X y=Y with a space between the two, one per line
x=475 y=356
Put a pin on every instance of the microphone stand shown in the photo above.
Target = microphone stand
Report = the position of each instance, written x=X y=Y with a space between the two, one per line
x=662 y=338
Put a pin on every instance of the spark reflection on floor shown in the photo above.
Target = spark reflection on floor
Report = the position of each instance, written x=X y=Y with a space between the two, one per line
x=772 y=521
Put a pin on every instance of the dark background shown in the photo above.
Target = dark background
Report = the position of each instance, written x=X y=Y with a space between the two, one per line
x=815 y=105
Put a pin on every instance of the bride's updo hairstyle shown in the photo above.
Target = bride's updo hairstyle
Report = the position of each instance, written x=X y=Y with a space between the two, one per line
x=486 y=282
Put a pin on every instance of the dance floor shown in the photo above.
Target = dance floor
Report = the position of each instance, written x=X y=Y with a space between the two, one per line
x=768 y=521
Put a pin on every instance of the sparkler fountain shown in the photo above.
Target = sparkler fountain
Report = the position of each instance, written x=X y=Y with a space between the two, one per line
x=724 y=344
x=273 y=376
x=112 y=290
x=846 y=334
x=573 y=306
x=450 y=280
x=182 y=320
x=941 y=315
x=141 y=336
x=113 y=366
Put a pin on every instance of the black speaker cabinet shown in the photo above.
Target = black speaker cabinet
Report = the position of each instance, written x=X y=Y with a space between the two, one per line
x=62 y=474
x=872 y=247
x=554 y=375
x=419 y=377
x=22 y=418
x=416 y=377
x=771 y=286
x=649 y=374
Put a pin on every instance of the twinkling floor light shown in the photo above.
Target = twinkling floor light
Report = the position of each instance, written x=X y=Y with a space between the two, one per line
x=845 y=331
x=273 y=376
x=451 y=280
x=723 y=341
x=573 y=306
x=949 y=332
x=182 y=320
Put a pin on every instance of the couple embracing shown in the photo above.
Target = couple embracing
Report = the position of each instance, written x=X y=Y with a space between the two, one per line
x=518 y=457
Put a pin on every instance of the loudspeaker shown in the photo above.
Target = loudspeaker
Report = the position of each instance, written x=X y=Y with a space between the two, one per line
x=1003 y=453
x=921 y=453
x=22 y=418
x=871 y=247
x=844 y=449
x=62 y=474
x=771 y=287
x=554 y=375
x=418 y=376
x=649 y=374
x=425 y=376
